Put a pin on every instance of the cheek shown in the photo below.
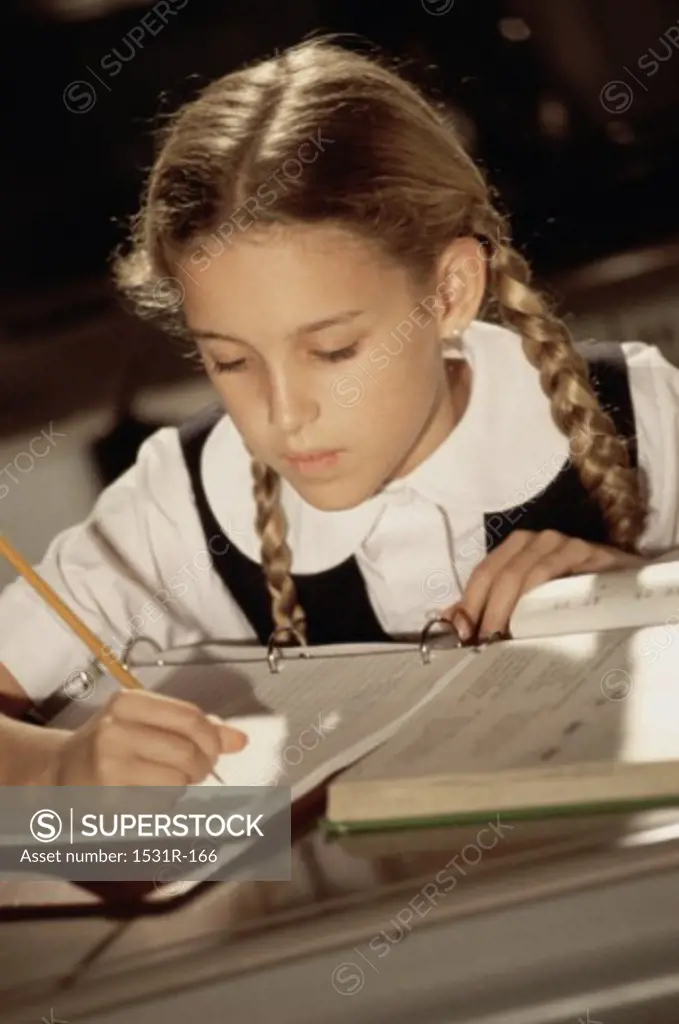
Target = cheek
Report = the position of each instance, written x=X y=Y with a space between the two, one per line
x=406 y=382
x=380 y=414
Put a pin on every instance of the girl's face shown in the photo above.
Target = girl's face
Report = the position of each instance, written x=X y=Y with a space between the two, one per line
x=326 y=359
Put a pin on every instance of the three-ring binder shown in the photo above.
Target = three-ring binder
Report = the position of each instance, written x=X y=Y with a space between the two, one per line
x=274 y=652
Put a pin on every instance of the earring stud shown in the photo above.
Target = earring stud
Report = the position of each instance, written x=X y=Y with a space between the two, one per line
x=453 y=341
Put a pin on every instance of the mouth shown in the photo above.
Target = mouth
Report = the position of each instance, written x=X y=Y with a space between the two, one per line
x=309 y=461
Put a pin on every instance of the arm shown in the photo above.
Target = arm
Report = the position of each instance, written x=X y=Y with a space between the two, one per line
x=654 y=385
x=26 y=751
x=526 y=559
x=115 y=571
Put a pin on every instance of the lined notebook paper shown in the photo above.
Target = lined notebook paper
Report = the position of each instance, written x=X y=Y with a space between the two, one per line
x=332 y=710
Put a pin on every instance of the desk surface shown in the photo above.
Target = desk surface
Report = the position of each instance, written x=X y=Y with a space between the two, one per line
x=364 y=893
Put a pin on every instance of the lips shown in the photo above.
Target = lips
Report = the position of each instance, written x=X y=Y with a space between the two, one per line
x=311 y=456
x=313 y=460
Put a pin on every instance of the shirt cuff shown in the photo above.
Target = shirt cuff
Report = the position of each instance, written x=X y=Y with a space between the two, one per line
x=36 y=646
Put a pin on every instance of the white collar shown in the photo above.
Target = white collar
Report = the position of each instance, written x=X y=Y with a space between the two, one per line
x=506 y=447
x=505 y=435
x=318 y=539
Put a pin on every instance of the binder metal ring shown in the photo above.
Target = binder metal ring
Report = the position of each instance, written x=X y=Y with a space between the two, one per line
x=274 y=654
x=132 y=642
x=425 y=651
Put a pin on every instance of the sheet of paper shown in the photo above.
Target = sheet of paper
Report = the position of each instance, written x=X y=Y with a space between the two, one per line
x=335 y=708
x=565 y=701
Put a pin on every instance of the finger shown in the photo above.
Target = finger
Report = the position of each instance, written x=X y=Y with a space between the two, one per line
x=231 y=740
x=481 y=580
x=462 y=624
x=162 y=774
x=140 y=772
x=542 y=556
x=179 y=716
x=554 y=557
x=577 y=557
x=602 y=558
x=162 y=747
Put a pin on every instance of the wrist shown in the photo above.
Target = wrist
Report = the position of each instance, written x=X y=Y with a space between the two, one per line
x=47 y=765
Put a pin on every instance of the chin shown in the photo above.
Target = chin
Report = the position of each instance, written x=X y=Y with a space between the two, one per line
x=335 y=497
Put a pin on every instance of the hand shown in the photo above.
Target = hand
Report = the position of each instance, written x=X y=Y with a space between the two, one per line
x=523 y=561
x=140 y=738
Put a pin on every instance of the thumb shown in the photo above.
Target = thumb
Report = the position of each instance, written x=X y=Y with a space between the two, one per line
x=231 y=740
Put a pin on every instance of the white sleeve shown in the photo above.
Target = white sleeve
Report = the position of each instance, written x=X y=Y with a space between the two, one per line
x=119 y=571
x=654 y=386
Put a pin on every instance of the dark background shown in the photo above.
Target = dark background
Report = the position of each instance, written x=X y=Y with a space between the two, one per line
x=569 y=105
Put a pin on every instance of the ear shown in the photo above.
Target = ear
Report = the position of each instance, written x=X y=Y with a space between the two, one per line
x=461 y=284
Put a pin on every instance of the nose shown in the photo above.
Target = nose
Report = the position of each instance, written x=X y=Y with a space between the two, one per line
x=292 y=406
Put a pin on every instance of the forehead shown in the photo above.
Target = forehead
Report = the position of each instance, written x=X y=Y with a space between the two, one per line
x=285 y=276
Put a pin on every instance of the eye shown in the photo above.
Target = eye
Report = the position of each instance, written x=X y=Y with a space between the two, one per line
x=232 y=367
x=339 y=354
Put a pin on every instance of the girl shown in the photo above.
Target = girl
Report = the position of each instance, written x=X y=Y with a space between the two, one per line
x=408 y=427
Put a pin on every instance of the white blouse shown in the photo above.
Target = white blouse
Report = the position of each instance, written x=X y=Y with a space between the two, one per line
x=140 y=562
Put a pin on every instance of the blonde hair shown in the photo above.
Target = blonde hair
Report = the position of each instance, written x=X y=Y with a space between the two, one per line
x=389 y=167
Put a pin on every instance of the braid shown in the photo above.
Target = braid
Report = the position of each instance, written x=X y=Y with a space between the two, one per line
x=598 y=453
x=271 y=527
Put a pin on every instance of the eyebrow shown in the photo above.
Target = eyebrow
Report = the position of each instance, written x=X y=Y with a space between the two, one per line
x=311 y=328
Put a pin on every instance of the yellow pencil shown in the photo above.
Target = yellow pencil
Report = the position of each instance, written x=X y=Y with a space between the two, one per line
x=99 y=649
